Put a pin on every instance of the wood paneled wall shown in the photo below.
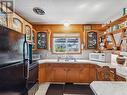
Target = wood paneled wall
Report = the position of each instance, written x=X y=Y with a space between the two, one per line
x=57 y=28
x=60 y=28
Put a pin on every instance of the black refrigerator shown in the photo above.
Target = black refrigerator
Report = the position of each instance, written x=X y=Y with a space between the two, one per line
x=18 y=72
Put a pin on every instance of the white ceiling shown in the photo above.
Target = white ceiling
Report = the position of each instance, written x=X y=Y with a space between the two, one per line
x=71 y=11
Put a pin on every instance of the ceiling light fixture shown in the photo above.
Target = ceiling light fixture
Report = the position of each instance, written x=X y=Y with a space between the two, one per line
x=38 y=11
x=66 y=24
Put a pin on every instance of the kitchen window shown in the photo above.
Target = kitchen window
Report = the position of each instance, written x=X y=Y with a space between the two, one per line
x=66 y=43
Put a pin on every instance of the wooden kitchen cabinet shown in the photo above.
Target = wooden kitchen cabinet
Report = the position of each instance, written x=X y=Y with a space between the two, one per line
x=72 y=74
x=50 y=72
x=17 y=23
x=42 y=40
x=93 y=72
x=28 y=30
x=119 y=78
x=42 y=73
x=92 y=39
x=84 y=74
x=75 y=73
x=59 y=74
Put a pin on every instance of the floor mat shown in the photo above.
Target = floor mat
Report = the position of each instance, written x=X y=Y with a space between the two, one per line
x=55 y=89
x=77 y=89
x=69 y=89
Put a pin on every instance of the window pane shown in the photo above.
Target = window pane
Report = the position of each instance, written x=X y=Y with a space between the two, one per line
x=66 y=44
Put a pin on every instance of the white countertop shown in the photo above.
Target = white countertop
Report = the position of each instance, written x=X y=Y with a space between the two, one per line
x=120 y=70
x=62 y=61
x=109 y=88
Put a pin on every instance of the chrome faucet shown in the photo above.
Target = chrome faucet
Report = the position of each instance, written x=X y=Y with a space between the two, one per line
x=58 y=59
x=66 y=58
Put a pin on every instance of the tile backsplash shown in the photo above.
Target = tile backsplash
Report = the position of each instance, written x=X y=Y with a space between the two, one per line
x=46 y=54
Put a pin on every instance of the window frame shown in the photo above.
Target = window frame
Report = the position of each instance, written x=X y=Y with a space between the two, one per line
x=67 y=36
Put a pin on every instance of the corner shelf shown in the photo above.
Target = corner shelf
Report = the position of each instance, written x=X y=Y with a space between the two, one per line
x=104 y=33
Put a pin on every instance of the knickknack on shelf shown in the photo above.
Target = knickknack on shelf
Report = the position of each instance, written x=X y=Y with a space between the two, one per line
x=42 y=40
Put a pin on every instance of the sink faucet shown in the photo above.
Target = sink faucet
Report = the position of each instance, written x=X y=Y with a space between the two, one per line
x=68 y=58
x=58 y=59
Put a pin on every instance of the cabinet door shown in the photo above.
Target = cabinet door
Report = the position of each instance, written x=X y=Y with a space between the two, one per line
x=59 y=74
x=93 y=72
x=41 y=74
x=3 y=18
x=42 y=40
x=72 y=74
x=17 y=25
x=119 y=78
x=33 y=39
x=49 y=73
x=91 y=40
x=84 y=74
x=28 y=32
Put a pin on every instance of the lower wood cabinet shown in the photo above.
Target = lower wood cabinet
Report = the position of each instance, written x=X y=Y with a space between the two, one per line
x=41 y=73
x=76 y=73
x=72 y=75
x=59 y=74
x=93 y=72
x=49 y=72
x=119 y=78
x=84 y=73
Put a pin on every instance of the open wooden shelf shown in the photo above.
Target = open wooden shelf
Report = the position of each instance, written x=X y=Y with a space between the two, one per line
x=115 y=31
x=117 y=21
x=105 y=33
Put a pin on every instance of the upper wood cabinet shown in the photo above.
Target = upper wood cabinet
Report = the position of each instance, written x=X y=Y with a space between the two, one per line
x=34 y=39
x=3 y=15
x=15 y=22
x=28 y=30
x=3 y=19
x=92 y=39
x=42 y=40
x=17 y=25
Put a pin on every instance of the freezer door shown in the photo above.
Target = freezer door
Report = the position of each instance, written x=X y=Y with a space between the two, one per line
x=12 y=76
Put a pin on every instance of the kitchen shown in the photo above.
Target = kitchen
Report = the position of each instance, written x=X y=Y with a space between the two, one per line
x=63 y=47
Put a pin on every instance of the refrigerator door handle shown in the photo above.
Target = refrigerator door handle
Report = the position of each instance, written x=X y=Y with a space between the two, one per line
x=24 y=51
x=27 y=76
x=26 y=60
